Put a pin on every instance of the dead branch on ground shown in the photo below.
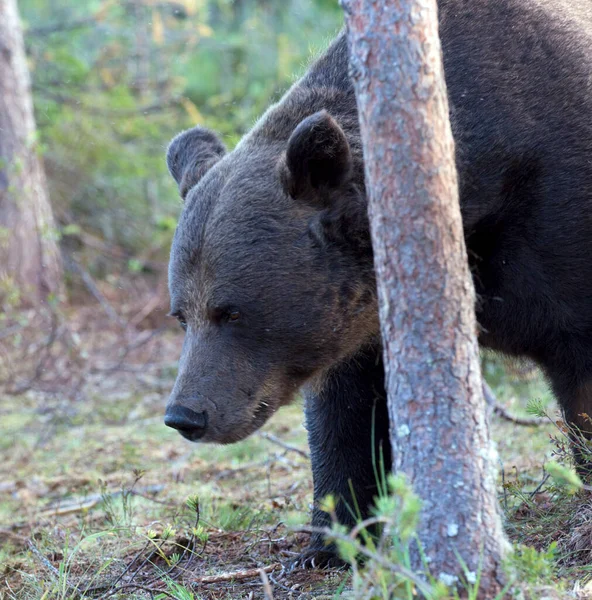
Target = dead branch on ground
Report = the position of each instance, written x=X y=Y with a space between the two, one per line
x=502 y=412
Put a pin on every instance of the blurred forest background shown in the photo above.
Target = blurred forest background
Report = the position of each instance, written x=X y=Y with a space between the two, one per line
x=115 y=80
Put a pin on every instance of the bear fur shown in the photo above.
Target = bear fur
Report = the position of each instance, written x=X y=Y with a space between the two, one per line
x=271 y=269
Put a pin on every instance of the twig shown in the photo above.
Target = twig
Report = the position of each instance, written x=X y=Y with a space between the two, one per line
x=189 y=547
x=45 y=353
x=148 y=308
x=266 y=585
x=290 y=590
x=539 y=486
x=113 y=252
x=235 y=576
x=367 y=523
x=145 y=588
x=94 y=290
x=113 y=586
x=502 y=412
x=275 y=440
x=78 y=504
x=244 y=467
x=152 y=499
x=44 y=560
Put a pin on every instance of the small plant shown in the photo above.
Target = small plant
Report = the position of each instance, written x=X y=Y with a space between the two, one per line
x=564 y=477
x=382 y=566
x=175 y=590
x=532 y=566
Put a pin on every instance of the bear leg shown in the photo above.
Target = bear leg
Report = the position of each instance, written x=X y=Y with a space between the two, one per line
x=344 y=420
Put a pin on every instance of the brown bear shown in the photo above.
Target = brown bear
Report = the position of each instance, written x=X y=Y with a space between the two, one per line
x=271 y=268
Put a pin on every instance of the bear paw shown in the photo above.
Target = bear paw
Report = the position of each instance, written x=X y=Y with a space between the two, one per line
x=318 y=558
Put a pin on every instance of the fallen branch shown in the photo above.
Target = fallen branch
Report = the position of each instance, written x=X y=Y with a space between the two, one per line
x=275 y=440
x=45 y=562
x=236 y=575
x=147 y=309
x=151 y=590
x=94 y=290
x=74 y=505
x=502 y=412
x=266 y=585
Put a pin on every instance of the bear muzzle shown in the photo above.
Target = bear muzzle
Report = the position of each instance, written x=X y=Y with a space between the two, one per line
x=190 y=424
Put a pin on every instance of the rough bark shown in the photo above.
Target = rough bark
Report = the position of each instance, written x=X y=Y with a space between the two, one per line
x=29 y=257
x=439 y=432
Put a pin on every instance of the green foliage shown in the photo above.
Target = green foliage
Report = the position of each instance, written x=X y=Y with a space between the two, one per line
x=532 y=566
x=114 y=81
x=381 y=568
x=175 y=590
x=564 y=477
x=536 y=408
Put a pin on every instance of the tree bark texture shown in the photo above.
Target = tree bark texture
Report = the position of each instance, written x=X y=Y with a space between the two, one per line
x=29 y=256
x=439 y=432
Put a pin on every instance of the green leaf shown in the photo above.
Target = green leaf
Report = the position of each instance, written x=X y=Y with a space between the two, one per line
x=535 y=407
x=564 y=477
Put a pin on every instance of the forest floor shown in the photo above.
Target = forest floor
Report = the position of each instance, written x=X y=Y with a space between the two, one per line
x=94 y=495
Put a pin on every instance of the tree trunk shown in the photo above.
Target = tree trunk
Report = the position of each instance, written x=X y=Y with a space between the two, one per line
x=30 y=265
x=439 y=433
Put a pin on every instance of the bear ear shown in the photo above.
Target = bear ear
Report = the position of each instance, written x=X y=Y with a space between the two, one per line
x=191 y=154
x=318 y=157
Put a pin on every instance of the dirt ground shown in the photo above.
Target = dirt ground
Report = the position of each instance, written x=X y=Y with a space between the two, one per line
x=98 y=499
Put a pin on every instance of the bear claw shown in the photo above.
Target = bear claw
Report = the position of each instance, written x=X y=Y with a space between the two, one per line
x=317 y=558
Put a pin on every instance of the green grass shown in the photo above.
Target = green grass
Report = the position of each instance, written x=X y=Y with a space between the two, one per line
x=96 y=489
x=66 y=477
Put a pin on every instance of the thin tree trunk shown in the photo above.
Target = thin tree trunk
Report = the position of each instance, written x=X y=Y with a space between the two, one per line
x=29 y=258
x=439 y=432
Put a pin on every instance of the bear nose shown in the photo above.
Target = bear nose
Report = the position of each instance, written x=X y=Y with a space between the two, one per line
x=190 y=424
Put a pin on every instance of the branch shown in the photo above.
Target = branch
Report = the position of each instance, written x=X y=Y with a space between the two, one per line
x=236 y=575
x=94 y=290
x=266 y=586
x=275 y=440
x=502 y=412
x=44 y=560
x=78 y=504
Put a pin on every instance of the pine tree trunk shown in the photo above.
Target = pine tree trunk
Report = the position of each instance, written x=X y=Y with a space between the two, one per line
x=439 y=432
x=29 y=258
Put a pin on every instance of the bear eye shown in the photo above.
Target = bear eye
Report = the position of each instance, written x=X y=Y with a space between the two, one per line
x=233 y=316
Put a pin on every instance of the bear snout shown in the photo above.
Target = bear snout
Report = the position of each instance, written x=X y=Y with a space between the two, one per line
x=190 y=424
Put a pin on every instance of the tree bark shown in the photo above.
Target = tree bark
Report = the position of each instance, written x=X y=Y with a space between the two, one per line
x=29 y=257
x=439 y=432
